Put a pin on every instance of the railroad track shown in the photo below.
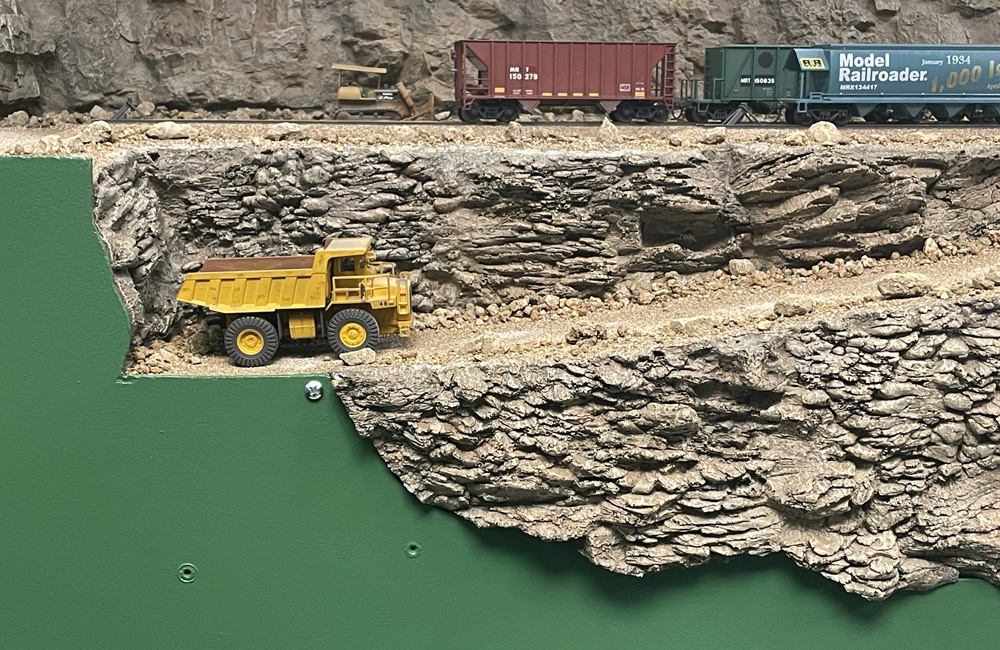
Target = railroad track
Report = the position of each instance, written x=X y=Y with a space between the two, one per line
x=583 y=124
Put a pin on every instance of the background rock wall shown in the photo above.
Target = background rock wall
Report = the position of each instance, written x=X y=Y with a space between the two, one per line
x=488 y=226
x=866 y=448
x=223 y=53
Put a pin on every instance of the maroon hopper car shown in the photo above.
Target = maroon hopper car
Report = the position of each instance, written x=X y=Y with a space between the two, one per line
x=500 y=79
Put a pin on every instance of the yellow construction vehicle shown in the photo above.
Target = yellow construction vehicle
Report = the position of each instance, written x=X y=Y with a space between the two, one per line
x=390 y=103
x=340 y=293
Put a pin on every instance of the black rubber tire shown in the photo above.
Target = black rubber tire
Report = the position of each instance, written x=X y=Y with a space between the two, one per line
x=246 y=325
x=347 y=317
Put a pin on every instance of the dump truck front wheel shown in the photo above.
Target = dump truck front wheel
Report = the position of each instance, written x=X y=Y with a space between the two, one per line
x=352 y=329
x=251 y=341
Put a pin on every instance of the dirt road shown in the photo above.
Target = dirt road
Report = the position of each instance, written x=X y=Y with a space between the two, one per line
x=729 y=306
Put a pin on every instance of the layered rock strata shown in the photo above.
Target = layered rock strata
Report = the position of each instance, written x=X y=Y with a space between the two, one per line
x=487 y=226
x=19 y=54
x=865 y=447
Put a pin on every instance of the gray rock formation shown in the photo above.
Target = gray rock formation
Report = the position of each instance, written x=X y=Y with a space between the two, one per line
x=75 y=53
x=19 y=56
x=865 y=448
x=489 y=226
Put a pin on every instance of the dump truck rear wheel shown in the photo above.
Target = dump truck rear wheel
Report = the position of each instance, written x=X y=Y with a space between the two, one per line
x=352 y=329
x=251 y=341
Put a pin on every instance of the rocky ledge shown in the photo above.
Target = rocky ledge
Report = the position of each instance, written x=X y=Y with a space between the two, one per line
x=865 y=447
x=482 y=225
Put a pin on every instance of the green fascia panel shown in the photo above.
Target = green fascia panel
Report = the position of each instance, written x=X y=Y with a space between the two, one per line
x=299 y=533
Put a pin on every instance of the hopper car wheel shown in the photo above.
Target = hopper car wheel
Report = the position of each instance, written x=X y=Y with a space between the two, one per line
x=624 y=113
x=659 y=114
x=698 y=117
x=804 y=119
x=508 y=114
x=468 y=115
x=789 y=115
x=251 y=341
x=352 y=329
x=392 y=115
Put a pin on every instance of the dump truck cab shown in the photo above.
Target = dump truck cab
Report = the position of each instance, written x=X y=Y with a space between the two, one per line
x=341 y=292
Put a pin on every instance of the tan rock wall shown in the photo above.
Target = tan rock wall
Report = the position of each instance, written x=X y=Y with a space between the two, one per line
x=277 y=52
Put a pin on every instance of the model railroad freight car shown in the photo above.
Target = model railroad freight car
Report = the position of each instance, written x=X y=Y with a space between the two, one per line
x=905 y=83
x=498 y=80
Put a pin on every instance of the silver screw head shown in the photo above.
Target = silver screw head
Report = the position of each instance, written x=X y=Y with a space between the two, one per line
x=314 y=390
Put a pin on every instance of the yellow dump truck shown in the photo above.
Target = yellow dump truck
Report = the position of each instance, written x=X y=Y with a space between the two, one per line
x=340 y=292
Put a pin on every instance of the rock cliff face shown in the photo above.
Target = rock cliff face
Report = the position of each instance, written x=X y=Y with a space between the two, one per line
x=20 y=56
x=185 y=53
x=489 y=226
x=865 y=448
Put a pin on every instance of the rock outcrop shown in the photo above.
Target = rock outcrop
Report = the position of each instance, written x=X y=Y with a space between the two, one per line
x=489 y=226
x=866 y=447
x=72 y=54
x=19 y=57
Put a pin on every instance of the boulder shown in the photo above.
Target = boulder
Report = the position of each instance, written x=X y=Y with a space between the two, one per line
x=514 y=132
x=147 y=108
x=286 y=131
x=608 y=132
x=18 y=119
x=691 y=326
x=793 y=305
x=823 y=133
x=100 y=113
x=171 y=131
x=714 y=136
x=96 y=133
x=741 y=267
x=904 y=285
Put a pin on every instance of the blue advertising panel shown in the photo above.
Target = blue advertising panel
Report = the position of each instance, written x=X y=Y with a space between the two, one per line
x=946 y=71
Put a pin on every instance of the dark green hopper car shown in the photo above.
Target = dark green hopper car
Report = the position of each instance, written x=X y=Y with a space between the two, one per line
x=905 y=83
x=762 y=76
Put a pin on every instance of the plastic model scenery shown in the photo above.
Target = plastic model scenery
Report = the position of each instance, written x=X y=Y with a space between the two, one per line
x=499 y=80
x=376 y=102
x=340 y=293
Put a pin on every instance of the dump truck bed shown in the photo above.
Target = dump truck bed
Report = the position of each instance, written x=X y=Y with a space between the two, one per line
x=304 y=262
x=255 y=285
